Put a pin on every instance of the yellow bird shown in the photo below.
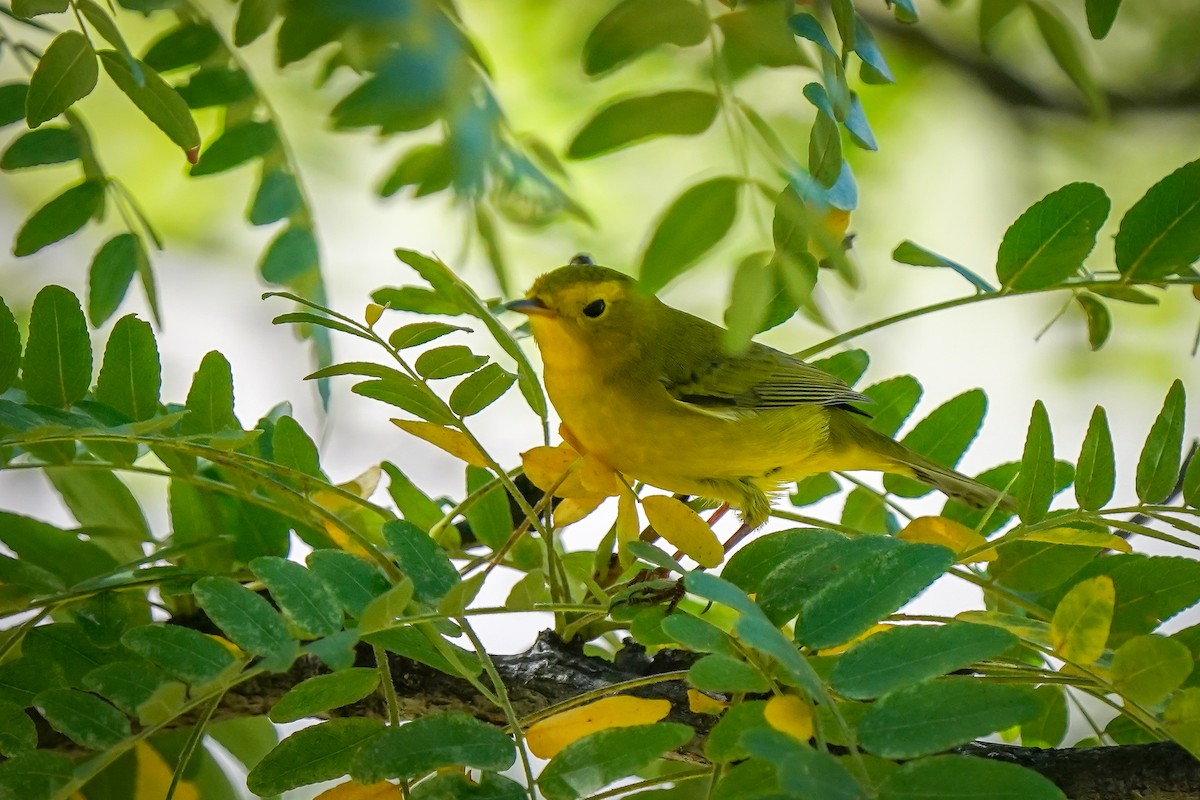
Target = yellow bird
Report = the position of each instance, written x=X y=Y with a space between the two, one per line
x=652 y=392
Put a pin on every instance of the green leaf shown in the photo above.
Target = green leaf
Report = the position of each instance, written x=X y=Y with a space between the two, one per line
x=943 y=436
x=813 y=489
x=724 y=742
x=806 y=26
x=1064 y=45
x=429 y=167
x=429 y=648
x=438 y=740
x=1181 y=719
x=302 y=596
x=10 y=347
x=84 y=718
x=1095 y=474
x=490 y=517
x=157 y=100
x=39 y=775
x=107 y=28
x=857 y=125
x=447 y=283
x=848 y=365
x=894 y=400
x=17 y=732
x=110 y=274
x=128 y=684
x=292 y=447
x=635 y=27
x=320 y=753
x=864 y=593
x=57 y=368
x=66 y=72
x=323 y=692
x=185 y=45
x=1082 y=620
x=1160 y=234
x=1191 y=481
x=1099 y=318
x=418 y=300
x=1158 y=466
x=1049 y=727
x=824 y=149
x=749 y=301
x=1049 y=241
x=278 y=197
x=130 y=376
x=722 y=673
x=101 y=502
x=934 y=716
x=408 y=395
x=24 y=677
x=909 y=654
x=210 y=399
x=60 y=217
x=593 y=762
x=755 y=35
x=1148 y=668
x=950 y=777
x=874 y=67
x=291 y=255
x=421 y=560
x=181 y=652
x=749 y=567
x=216 y=86
x=481 y=389
x=253 y=19
x=48 y=145
x=12 y=102
x=1035 y=487
x=236 y=146
x=696 y=634
x=1100 y=16
x=801 y=770
x=353 y=580
x=247 y=619
x=26 y=9
x=911 y=253
x=631 y=120
x=417 y=333
x=690 y=227
x=447 y=362
x=456 y=786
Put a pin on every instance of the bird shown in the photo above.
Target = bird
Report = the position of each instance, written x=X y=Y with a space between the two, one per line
x=653 y=393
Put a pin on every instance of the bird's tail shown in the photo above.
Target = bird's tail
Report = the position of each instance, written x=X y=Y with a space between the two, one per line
x=891 y=456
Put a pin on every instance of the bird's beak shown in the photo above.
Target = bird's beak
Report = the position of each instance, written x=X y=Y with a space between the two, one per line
x=531 y=306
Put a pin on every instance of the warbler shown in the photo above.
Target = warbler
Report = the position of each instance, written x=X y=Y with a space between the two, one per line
x=653 y=393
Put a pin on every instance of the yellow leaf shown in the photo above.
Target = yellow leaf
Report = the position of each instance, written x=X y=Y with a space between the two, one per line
x=1080 y=538
x=555 y=469
x=456 y=443
x=353 y=790
x=628 y=526
x=597 y=477
x=573 y=509
x=684 y=528
x=1031 y=630
x=372 y=314
x=700 y=703
x=947 y=533
x=153 y=774
x=1080 y=626
x=551 y=735
x=871 y=631
x=353 y=514
x=1182 y=720
x=789 y=714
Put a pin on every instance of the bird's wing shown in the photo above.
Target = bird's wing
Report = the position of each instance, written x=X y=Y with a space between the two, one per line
x=759 y=378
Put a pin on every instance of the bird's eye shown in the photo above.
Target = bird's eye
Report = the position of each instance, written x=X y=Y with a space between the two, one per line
x=594 y=309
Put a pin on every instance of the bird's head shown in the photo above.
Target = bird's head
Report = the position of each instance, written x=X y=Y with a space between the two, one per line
x=583 y=315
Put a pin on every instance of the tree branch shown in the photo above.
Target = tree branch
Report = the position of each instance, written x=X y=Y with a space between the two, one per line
x=553 y=671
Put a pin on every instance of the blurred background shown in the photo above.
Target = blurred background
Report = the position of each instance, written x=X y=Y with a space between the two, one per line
x=967 y=141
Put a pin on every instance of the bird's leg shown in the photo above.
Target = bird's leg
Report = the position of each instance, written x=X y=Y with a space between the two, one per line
x=738 y=535
x=716 y=515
